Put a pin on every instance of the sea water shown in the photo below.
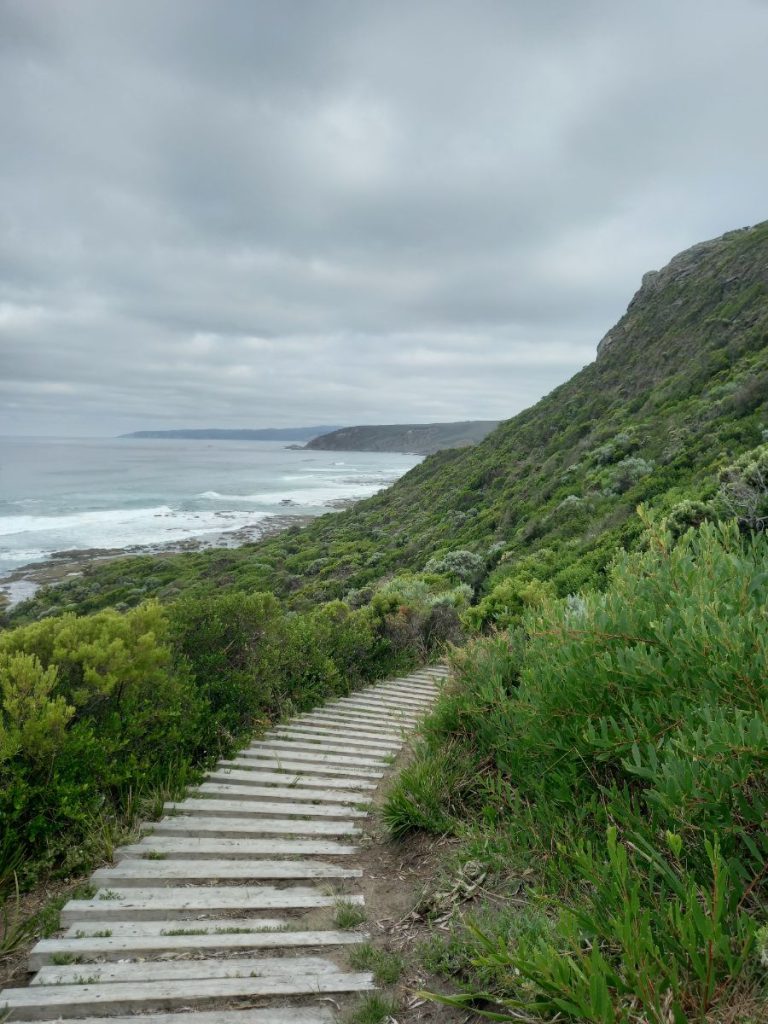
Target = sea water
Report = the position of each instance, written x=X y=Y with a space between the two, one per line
x=59 y=494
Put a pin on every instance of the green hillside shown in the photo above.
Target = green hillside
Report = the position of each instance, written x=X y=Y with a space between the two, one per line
x=421 y=438
x=679 y=390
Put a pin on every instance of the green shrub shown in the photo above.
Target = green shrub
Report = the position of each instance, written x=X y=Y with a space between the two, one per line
x=647 y=943
x=230 y=644
x=641 y=710
x=92 y=710
x=466 y=566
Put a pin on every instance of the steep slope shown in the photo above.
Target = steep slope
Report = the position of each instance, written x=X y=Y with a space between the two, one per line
x=421 y=438
x=679 y=389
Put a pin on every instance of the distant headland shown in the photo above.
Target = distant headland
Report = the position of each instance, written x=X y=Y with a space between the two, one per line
x=419 y=438
x=210 y=434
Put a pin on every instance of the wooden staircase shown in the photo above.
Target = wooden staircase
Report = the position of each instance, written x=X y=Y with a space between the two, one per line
x=224 y=912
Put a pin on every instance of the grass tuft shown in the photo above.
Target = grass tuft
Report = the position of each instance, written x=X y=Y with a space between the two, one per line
x=385 y=966
x=373 y=1008
x=348 y=915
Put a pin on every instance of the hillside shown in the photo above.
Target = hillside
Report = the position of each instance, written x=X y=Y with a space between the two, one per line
x=593 y=773
x=214 y=434
x=419 y=438
x=678 y=391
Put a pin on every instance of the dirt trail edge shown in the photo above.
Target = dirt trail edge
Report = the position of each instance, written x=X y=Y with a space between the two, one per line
x=243 y=903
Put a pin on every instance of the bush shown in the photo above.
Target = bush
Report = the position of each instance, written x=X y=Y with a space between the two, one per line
x=466 y=566
x=92 y=710
x=99 y=709
x=640 y=713
x=507 y=601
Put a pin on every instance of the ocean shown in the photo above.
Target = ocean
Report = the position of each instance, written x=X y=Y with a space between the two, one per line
x=64 y=494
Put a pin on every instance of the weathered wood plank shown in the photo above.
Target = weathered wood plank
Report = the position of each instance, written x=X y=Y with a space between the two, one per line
x=268 y=778
x=121 y=947
x=160 y=903
x=242 y=828
x=143 y=873
x=264 y=752
x=183 y=970
x=191 y=848
x=285 y=1015
x=67 y=1001
x=278 y=764
x=296 y=794
x=210 y=807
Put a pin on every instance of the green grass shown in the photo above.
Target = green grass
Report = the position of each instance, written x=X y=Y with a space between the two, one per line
x=386 y=966
x=373 y=1008
x=348 y=915
x=62 y=959
x=603 y=769
x=185 y=931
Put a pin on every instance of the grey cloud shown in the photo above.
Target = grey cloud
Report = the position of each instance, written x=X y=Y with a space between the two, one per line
x=274 y=213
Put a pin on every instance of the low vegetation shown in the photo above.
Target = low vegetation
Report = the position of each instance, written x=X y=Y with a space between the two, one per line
x=617 y=744
x=104 y=715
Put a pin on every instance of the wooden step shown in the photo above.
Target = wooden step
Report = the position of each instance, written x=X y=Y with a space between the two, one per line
x=334 y=718
x=401 y=698
x=209 y=807
x=285 y=1015
x=183 y=970
x=145 y=873
x=353 y=742
x=252 y=791
x=291 y=767
x=94 y=929
x=266 y=778
x=189 y=848
x=387 y=700
x=185 y=902
x=369 y=710
x=262 y=752
x=295 y=744
x=235 y=827
x=41 y=1002
x=144 y=946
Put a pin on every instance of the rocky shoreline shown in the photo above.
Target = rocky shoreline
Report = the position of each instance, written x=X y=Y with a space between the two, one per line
x=16 y=585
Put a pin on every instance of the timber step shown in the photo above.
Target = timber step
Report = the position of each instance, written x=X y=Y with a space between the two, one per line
x=39 y=1002
x=189 y=848
x=289 y=1015
x=188 y=941
x=157 y=904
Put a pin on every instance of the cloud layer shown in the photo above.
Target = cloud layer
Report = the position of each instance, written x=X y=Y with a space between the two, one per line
x=275 y=213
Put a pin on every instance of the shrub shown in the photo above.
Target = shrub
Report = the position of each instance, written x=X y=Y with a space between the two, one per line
x=507 y=601
x=640 y=712
x=627 y=473
x=92 y=710
x=466 y=566
x=97 y=710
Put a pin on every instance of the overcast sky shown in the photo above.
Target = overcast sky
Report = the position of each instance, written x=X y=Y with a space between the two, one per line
x=253 y=213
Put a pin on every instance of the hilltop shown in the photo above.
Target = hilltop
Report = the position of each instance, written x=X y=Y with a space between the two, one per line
x=678 y=392
x=418 y=438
